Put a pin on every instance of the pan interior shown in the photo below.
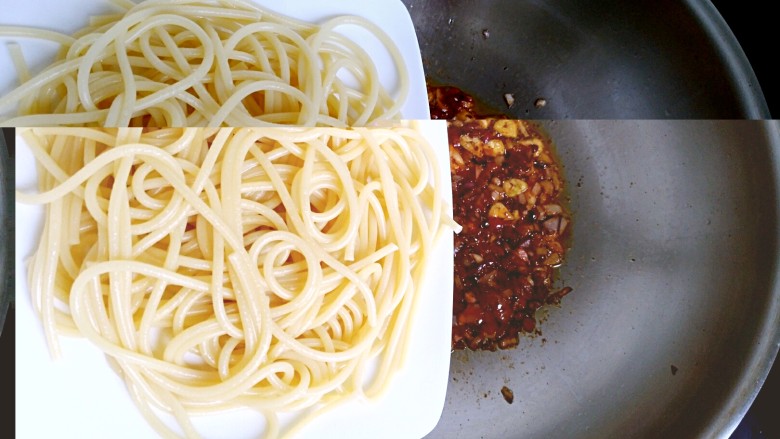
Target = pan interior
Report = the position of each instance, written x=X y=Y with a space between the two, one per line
x=595 y=60
x=673 y=322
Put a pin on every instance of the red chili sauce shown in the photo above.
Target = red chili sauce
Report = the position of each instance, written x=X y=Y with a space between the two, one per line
x=506 y=190
x=447 y=102
x=450 y=103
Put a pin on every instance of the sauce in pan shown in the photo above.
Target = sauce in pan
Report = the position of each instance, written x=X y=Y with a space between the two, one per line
x=507 y=190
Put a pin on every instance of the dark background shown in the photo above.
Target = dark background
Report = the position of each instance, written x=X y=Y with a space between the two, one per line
x=756 y=30
x=7 y=340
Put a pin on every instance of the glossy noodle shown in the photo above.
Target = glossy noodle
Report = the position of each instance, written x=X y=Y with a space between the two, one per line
x=270 y=268
x=186 y=63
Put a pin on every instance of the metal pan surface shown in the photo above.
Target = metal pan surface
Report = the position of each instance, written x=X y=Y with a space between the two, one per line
x=601 y=59
x=672 y=327
x=674 y=320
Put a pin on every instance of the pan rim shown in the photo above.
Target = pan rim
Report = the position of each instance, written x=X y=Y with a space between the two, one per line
x=735 y=59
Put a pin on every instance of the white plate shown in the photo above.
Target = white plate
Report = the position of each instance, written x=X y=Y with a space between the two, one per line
x=79 y=396
x=390 y=15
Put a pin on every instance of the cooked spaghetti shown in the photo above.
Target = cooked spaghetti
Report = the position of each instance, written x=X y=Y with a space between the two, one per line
x=268 y=268
x=177 y=63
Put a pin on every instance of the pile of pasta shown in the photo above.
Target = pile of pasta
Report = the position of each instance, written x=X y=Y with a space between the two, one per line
x=218 y=268
x=195 y=63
